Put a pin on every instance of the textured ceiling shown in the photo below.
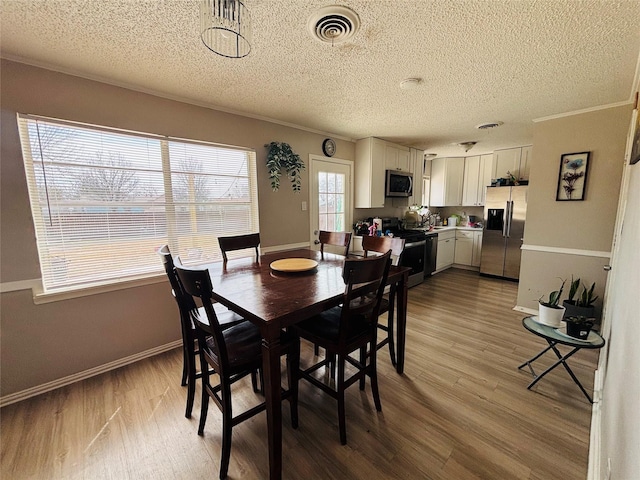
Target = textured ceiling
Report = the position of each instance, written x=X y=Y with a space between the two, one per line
x=479 y=61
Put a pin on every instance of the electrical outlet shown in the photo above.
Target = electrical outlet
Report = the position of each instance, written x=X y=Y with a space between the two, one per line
x=304 y=206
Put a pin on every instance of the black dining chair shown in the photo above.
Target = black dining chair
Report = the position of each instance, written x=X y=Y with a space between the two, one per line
x=337 y=239
x=387 y=305
x=239 y=242
x=186 y=306
x=351 y=327
x=232 y=353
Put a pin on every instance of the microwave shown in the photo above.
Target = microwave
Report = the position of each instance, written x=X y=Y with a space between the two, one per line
x=398 y=184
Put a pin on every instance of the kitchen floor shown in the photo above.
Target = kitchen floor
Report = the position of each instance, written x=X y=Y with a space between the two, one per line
x=461 y=411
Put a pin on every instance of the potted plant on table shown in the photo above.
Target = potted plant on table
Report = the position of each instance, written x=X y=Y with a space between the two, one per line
x=550 y=312
x=579 y=326
x=582 y=305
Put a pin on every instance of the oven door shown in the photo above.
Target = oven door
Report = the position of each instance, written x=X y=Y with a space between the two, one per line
x=413 y=257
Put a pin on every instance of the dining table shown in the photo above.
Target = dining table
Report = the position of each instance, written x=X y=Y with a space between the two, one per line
x=274 y=299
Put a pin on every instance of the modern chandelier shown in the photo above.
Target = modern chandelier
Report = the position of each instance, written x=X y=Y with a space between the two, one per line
x=225 y=27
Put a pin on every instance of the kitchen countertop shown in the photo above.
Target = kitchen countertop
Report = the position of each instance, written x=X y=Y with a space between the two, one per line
x=446 y=228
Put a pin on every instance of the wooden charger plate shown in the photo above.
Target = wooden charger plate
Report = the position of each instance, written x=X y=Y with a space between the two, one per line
x=293 y=265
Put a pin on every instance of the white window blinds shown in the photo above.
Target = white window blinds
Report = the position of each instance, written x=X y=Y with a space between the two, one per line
x=104 y=200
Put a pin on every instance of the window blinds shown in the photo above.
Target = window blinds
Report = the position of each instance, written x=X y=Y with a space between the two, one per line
x=104 y=200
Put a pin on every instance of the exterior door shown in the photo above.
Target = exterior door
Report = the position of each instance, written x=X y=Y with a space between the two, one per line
x=331 y=183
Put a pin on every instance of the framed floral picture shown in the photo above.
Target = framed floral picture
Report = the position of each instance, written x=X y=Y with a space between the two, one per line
x=573 y=176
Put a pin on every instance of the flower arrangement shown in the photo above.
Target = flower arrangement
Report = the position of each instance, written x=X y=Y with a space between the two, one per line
x=279 y=156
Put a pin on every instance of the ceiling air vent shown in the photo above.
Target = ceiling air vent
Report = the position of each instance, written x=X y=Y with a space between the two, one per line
x=488 y=125
x=333 y=24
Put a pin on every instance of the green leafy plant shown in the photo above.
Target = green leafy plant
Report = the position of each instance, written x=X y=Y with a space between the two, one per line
x=554 y=297
x=573 y=289
x=586 y=298
x=580 y=320
x=281 y=156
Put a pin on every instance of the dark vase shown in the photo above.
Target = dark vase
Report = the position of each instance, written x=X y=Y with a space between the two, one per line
x=579 y=330
x=574 y=311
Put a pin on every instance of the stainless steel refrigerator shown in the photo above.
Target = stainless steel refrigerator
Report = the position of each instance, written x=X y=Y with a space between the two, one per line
x=505 y=209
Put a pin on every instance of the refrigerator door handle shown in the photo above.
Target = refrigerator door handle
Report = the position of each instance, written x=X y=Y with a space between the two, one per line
x=505 y=221
x=509 y=217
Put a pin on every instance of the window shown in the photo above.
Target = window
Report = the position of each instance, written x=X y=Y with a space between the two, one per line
x=331 y=201
x=104 y=200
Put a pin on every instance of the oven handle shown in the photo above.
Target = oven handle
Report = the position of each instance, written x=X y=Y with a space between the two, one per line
x=415 y=244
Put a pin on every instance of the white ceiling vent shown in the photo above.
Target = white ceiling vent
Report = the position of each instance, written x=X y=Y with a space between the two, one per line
x=333 y=24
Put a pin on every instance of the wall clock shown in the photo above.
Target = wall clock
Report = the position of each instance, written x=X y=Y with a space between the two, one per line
x=329 y=147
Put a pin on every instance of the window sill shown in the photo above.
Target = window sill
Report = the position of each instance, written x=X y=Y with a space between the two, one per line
x=40 y=297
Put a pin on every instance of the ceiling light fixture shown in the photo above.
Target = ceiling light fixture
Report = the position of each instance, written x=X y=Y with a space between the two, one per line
x=409 y=83
x=489 y=125
x=430 y=155
x=466 y=145
x=225 y=27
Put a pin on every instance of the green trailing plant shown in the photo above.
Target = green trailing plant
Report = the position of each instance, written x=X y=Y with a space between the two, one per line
x=554 y=297
x=280 y=156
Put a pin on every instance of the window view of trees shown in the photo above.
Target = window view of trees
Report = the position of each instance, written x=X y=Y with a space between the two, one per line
x=103 y=201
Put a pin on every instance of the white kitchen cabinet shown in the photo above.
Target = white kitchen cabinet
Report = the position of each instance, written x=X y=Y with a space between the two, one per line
x=369 y=173
x=446 y=249
x=484 y=177
x=464 y=247
x=416 y=168
x=471 y=182
x=397 y=157
x=447 y=175
x=477 y=249
x=511 y=160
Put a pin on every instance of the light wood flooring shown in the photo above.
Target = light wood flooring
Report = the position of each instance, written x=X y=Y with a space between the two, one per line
x=460 y=411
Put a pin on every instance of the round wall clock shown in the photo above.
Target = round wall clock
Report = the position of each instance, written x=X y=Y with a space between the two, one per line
x=329 y=147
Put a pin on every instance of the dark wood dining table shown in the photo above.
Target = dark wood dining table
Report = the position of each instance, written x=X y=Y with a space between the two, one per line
x=274 y=300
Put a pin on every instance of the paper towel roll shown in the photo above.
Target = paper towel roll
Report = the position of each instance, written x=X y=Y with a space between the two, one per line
x=452 y=221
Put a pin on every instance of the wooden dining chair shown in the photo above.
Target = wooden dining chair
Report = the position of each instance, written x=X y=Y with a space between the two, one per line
x=337 y=239
x=232 y=353
x=239 y=242
x=186 y=306
x=348 y=328
x=387 y=305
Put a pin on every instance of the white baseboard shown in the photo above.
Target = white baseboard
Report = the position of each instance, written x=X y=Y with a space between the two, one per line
x=92 y=372
x=530 y=311
x=595 y=446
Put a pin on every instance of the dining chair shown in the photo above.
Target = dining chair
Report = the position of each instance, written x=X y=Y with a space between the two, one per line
x=350 y=327
x=232 y=353
x=239 y=242
x=387 y=305
x=186 y=306
x=337 y=239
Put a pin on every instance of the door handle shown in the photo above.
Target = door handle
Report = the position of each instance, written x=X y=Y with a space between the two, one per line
x=607 y=268
x=316 y=242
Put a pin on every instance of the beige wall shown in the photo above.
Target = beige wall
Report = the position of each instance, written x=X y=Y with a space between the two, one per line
x=75 y=335
x=586 y=226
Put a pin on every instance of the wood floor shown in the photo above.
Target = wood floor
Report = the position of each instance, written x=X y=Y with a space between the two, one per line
x=460 y=411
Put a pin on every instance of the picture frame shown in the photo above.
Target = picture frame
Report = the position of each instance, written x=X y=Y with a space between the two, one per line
x=572 y=178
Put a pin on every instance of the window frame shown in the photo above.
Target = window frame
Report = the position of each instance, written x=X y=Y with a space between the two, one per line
x=156 y=275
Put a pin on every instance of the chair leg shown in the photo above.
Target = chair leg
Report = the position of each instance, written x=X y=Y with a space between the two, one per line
x=191 y=384
x=204 y=407
x=254 y=381
x=293 y=366
x=363 y=360
x=185 y=365
x=227 y=426
x=342 y=420
x=373 y=373
x=316 y=350
x=392 y=347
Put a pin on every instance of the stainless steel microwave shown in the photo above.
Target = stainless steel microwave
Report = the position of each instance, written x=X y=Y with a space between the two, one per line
x=398 y=184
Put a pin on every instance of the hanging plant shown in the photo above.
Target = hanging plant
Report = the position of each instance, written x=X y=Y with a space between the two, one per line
x=280 y=156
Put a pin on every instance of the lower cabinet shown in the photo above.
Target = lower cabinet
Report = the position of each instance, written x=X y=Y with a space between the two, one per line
x=468 y=248
x=446 y=249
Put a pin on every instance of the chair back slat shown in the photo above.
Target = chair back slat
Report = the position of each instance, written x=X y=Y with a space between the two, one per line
x=338 y=239
x=239 y=242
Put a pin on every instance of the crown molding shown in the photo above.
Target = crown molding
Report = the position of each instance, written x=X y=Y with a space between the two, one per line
x=584 y=110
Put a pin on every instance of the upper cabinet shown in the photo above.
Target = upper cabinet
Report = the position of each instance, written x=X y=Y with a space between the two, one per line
x=514 y=160
x=447 y=176
x=373 y=157
x=369 y=173
x=416 y=167
x=397 y=157
x=477 y=177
